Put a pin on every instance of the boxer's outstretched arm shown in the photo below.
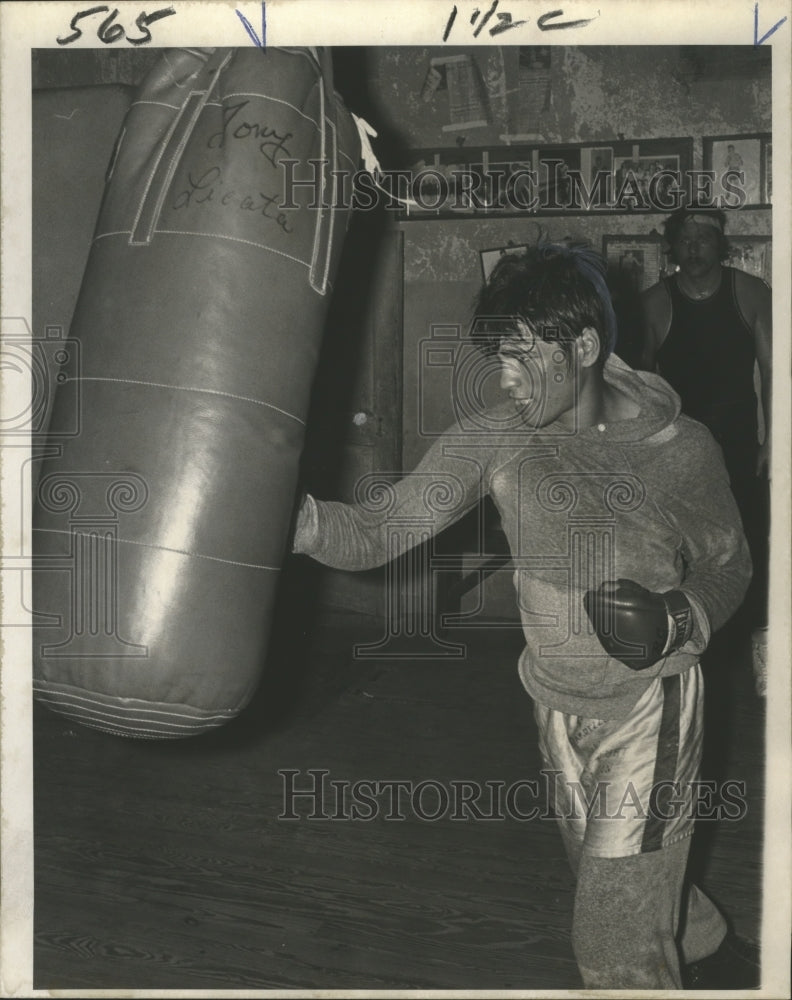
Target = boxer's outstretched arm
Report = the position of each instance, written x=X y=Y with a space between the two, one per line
x=389 y=518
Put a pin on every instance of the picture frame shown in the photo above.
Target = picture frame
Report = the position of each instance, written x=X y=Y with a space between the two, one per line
x=596 y=160
x=489 y=258
x=531 y=96
x=506 y=176
x=645 y=178
x=753 y=254
x=767 y=172
x=741 y=167
x=555 y=163
x=535 y=57
x=513 y=180
x=438 y=181
x=635 y=262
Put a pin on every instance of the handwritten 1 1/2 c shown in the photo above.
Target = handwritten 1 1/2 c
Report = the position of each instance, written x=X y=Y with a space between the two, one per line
x=504 y=21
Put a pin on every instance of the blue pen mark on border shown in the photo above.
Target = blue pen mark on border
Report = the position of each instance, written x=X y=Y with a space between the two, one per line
x=757 y=40
x=260 y=42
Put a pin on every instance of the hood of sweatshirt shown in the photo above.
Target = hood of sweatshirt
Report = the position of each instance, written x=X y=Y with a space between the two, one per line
x=659 y=406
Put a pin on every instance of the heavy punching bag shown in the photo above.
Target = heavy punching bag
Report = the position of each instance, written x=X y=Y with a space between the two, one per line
x=161 y=525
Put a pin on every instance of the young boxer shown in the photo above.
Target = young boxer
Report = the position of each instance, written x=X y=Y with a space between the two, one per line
x=628 y=554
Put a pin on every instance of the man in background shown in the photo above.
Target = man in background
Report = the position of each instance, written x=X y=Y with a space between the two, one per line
x=705 y=330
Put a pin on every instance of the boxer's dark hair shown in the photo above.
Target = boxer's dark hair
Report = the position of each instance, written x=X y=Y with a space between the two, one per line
x=672 y=227
x=545 y=290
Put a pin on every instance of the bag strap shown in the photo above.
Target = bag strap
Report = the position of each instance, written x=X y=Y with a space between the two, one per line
x=173 y=145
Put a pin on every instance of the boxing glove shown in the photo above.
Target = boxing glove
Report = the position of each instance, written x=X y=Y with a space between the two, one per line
x=638 y=626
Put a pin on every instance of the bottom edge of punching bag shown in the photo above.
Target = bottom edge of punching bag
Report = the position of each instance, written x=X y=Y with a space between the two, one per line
x=130 y=717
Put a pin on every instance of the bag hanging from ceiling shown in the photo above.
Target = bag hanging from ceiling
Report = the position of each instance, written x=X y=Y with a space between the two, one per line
x=160 y=527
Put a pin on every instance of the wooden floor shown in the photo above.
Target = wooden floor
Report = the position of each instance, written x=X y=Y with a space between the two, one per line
x=167 y=865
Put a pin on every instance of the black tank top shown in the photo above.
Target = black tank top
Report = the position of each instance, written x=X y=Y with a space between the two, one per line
x=708 y=357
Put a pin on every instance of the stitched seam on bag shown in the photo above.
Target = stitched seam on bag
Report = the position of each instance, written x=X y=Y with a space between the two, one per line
x=196 y=113
x=48 y=689
x=115 y=154
x=235 y=239
x=153 y=173
x=165 y=548
x=322 y=159
x=158 y=104
x=347 y=157
x=331 y=211
x=145 y=712
x=116 y=232
x=93 y=718
x=160 y=197
x=175 y=158
x=185 y=388
x=214 y=236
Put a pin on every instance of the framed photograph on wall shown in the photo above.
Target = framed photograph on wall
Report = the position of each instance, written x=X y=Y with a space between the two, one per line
x=489 y=258
x=534 y=87
x=555 y=187
x=637 y=262
x=440 y=181
x=753 y=254
x=767 y=173
x=508 y=175
x=739 y=161
x=595 y=160
x=530 y=179
x=646 y=180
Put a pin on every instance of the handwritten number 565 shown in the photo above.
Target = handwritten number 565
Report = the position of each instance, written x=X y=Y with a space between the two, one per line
x=108 y=31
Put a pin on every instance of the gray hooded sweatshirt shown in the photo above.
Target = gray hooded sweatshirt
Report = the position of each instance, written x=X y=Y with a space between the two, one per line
x=645 y=499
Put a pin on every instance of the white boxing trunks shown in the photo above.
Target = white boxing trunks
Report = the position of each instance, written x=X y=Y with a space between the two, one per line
x=627 y=786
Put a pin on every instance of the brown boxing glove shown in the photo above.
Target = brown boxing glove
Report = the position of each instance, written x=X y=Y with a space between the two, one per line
x=638 y=626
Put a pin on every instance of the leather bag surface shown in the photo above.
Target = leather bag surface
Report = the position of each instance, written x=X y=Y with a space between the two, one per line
x=160 y=528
